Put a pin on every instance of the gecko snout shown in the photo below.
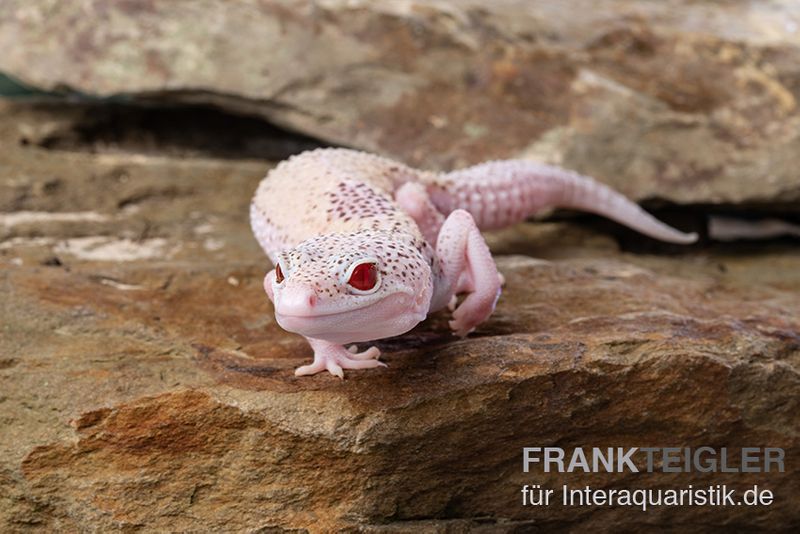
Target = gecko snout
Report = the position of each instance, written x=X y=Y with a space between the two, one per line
x=297 y=301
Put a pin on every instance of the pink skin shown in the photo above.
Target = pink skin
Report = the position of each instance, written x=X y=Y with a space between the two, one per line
x=421 y=230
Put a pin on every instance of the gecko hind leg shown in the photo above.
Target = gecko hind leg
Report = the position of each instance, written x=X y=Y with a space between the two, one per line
x=334 y=358
x=467 y=265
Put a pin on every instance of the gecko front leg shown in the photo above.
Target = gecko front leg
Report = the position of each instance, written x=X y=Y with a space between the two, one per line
x=467 y=266
x=333 y=358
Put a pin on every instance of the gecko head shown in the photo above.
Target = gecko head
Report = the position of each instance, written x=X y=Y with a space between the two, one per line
x=350 y=287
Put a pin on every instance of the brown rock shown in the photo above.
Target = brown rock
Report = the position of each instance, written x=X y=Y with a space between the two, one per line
x=144 y=384
x=689 y=102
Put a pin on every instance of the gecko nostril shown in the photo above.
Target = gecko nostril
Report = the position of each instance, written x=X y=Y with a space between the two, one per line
x=312 y=300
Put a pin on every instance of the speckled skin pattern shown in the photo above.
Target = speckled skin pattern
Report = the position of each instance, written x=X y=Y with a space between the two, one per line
x=320 y=214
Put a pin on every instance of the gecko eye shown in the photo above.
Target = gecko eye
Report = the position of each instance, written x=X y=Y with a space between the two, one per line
x=278 y=274
x=364 y=277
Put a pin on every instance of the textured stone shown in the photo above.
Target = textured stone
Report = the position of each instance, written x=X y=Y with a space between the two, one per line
x=690 y=102
x=153 y=390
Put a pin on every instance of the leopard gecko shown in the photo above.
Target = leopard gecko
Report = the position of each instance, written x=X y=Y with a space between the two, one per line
x=364 y=247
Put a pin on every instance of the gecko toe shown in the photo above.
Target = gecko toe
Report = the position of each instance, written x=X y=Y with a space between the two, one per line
x=460 y=329
x=334 y=368
x=310 y=369
x=371 y=353
x=362 y=364
x=452 y=304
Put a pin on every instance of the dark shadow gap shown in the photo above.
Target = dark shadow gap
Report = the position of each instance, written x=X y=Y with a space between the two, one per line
x=695 y=218
x=190 y=130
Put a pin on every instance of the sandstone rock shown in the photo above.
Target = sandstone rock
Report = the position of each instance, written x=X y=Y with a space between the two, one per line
x=144 y=384
x=689 y=102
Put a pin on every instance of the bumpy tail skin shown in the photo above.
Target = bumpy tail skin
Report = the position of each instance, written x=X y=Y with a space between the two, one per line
x=500 y=193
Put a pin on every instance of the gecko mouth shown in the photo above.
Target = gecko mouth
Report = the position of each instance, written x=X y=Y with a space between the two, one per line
x=389 y=316
x=311 y=313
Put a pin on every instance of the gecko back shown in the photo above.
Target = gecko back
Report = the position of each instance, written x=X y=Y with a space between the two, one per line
x=327 y=191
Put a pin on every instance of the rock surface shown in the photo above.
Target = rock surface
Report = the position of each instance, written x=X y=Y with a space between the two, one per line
x=620 y=89
x=145 y=385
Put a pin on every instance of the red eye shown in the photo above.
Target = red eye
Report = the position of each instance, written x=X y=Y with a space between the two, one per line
x=278 y=274
x=364 y=276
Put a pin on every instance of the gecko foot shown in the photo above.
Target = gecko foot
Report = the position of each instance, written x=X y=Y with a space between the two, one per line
x=475 y=309
x=464 y=323
x=334 y=358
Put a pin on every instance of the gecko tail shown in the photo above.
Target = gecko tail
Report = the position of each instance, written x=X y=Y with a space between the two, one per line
x=586 y=194
x=501 y=193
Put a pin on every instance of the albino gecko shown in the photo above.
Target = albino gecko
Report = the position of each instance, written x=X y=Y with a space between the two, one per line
x=365 y=248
